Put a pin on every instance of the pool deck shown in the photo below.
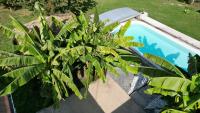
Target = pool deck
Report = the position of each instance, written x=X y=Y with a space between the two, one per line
x=172 y=32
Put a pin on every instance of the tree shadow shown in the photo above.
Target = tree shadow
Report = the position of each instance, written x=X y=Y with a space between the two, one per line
x=129 y=107
x=153 y=49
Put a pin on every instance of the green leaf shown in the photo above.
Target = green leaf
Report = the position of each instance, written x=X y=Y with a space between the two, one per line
x=131 y=58
x=99 y=70
x=124 y=52
x=124 y=28
x=57 y=96
x=21 y=76
x=163 y=92
x=4 y=54
x=68 y=81
x=19 y=61
x=68 y=27
x=96 y=16
x=194 y=103
x=127 y=42
x=7 y=31
x=23 y=29
x=176 y=84
x=82 y=20
x=34 y=51
x=110 y=27
x=173 y=111
x=159 y=61
x=107 y=50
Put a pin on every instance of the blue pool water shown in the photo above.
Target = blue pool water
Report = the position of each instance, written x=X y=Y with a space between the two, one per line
x=158 y=44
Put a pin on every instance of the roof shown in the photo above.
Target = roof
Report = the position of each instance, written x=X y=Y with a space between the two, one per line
x=120 y=14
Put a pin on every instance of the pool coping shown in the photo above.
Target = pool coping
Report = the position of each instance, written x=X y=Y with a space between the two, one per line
x=170 y=31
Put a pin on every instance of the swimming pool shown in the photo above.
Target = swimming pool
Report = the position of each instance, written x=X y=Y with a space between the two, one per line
x=160 y=44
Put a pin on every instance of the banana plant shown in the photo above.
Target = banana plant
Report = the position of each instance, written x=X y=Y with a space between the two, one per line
x=64 y=56
x=184 y=91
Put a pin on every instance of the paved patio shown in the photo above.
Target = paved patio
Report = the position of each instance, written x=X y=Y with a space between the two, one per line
x=106 y=97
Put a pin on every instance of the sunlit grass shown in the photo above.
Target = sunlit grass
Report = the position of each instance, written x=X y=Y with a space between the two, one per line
x=178 y=15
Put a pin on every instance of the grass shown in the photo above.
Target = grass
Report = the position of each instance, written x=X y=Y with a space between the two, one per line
x=178 y=15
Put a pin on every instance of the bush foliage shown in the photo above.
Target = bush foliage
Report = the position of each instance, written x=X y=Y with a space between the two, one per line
x=182 y=92
x=52 y=6
x=62 y=57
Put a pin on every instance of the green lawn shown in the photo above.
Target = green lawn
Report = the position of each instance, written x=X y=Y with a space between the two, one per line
x=169 y=12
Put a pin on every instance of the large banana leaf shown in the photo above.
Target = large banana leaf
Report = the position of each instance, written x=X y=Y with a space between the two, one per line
x=123 y=29
x=57 y=95
x=110 y=27
x=175 y=84
x=68 y=81
x=164 y=63
x=67 y=27
x=19 y=61
x=20 y=77
x=131 y=58
x=160 y=91
x=23 y=29
x=127 y=41
x=4 y=54
x=107 y=50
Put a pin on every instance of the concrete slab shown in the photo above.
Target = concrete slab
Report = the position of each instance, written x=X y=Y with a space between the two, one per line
x=108 y=95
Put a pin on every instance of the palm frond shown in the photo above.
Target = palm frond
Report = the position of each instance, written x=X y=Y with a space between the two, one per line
x=4 y=54
x=107 y=50
x=110 y=27
x=18 y=61
x=123 y=29
x=68 y=81
x=164 y=63
x=22 y=28
x=21 y=76
x=176 y=84
x=67 y=28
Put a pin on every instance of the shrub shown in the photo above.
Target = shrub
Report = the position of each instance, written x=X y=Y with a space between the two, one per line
x=182 y=92
x=64 y=57
x=52 y=6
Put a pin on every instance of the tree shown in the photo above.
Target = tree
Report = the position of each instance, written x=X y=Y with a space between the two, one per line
x=183 y=92
x=52 y=6
x=64 y=56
